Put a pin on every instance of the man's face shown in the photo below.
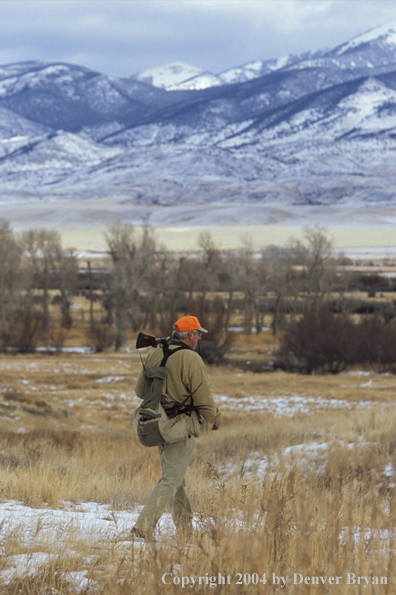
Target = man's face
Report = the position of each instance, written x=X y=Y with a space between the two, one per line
x=193 y=338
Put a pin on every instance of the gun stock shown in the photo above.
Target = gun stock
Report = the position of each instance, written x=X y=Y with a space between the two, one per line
x=145 y=340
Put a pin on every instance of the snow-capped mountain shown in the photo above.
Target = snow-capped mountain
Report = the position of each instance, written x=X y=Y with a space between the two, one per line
x=201 y=81
x=178 y=76
x=253 y=70
x=384 y=37
x=258 y=142
x=168 y=75
x=181 y=76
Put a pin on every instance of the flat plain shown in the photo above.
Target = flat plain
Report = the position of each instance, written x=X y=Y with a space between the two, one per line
x=361 y=242
x=358 y=229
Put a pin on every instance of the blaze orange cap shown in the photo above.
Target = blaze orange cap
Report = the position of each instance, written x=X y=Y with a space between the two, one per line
x=188 y=323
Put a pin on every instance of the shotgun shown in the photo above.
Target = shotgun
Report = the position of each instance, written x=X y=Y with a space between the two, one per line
x=145 y=340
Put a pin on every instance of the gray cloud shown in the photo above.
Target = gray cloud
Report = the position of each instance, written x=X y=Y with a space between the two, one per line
x=121 y=37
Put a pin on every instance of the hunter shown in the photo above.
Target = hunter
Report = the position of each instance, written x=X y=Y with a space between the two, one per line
x=187 y=384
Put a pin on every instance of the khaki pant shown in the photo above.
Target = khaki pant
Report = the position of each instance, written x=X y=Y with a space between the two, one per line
x=175 y=459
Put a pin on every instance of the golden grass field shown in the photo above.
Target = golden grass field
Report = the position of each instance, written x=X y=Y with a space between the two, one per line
x=299 y=481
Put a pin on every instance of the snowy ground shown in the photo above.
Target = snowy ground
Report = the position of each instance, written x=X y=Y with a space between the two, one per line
x=286 y=406
x=44 y=534
x=304 y=456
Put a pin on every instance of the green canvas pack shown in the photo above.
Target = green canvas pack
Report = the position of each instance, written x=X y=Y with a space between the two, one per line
x=153 y=425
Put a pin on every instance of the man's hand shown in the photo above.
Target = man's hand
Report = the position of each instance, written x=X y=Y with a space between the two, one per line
x=216 y=425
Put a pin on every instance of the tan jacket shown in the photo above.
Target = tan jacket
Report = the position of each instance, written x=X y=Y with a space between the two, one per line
x=185 y=376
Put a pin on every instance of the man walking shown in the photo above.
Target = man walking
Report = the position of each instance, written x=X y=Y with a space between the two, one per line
x=187 y=382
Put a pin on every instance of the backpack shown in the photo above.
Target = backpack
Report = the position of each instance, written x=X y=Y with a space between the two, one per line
x=153 y=425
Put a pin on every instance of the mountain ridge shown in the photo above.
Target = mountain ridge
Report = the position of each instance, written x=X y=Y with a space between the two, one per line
x=314 y=130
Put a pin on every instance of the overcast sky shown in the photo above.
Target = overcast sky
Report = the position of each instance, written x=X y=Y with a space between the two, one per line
x=123 y=37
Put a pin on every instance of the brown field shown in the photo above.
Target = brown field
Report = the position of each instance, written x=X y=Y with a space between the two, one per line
x=299 y=481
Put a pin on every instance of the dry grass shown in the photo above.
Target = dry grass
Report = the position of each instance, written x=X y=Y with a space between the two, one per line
x=264 y=502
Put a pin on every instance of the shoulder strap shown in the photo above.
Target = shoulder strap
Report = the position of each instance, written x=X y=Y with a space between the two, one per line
x=168 y=352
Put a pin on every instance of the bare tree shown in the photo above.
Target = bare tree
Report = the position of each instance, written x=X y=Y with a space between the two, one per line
x=11 y=280
x=281 y=282
x=318 y=267
x=187 y=276
x=42 y=249
x=133 y=259
x=252 y=281
x=229 y=276
x=209 y=264
x=66 y=272
x=90 y=297
x=161 y=290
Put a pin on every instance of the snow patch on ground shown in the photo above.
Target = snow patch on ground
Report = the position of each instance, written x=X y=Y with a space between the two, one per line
x=53 y=530
x=304 y=456
x=109 y=379
x=48 y=533
x=287 y=405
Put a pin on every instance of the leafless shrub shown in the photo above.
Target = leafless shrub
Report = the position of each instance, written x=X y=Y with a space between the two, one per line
x=58 y=338
x=320 y=341
x=372 y=283
x=25 y=330
x=325 y=342
x=100 y=337
x=376 y=344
